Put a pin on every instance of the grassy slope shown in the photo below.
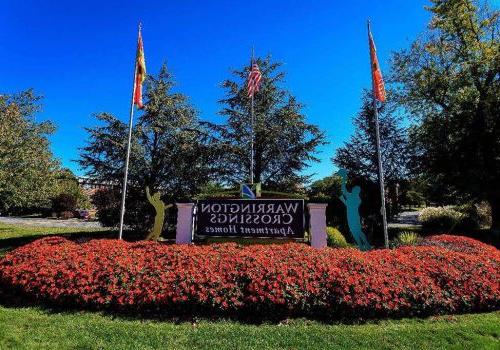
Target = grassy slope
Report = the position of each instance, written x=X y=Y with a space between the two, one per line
x=18 y=231
x=12 y=236
x=33 y=328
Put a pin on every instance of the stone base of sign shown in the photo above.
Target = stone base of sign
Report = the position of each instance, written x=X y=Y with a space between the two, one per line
x=184 y=234
x=317 y=224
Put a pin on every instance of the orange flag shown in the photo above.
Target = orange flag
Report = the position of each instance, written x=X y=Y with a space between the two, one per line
x=140 y=71
x=377 y=80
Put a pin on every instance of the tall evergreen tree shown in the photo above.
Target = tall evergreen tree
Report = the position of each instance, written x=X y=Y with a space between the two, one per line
x=176 y=148
x=285 y=144
x=170 y=152
x=450 y=81
x=358 y=155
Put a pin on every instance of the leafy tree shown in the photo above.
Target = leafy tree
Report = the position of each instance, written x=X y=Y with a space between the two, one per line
x=170 y=152
x=64 y=202
x=358 y=155
x=66 y=184
x=450 y=81
x=27 y=166
x=285 y=143
x=177 y=156
x=326 y=189
x=413 y=198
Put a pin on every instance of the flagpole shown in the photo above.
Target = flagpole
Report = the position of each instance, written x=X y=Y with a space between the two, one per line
x=252 y=142
x=379 y=157
x=127 y=158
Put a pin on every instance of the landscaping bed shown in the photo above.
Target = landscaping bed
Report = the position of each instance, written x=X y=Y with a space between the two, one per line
x=445 y=274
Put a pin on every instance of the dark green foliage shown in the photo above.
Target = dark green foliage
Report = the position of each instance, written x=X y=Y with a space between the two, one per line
x=326 y=189
x=67 y=183
x=439 y=220
x=413 y=198
x=170 y=154
x=470 y=219
x=474 y=215
x=64 y=202
x=285 y=144
x=449 y=80
x=107 y=203
x=140 y=214
x=358 y=155
x=176 y=149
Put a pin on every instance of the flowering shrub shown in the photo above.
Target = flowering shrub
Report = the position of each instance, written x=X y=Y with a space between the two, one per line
x=465 y=217
x=439 y=219
x=446 y=274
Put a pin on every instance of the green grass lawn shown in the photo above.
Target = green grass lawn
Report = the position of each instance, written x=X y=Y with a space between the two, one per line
x=17 y=231
x=33 y=328
x=12 y=236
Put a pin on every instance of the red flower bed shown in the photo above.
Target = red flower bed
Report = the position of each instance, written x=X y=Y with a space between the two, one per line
x=446 y=275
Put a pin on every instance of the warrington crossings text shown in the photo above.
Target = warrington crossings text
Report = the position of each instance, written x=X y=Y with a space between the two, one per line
x=231 y=214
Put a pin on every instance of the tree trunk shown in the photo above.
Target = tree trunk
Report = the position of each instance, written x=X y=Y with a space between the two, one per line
x=495 y=213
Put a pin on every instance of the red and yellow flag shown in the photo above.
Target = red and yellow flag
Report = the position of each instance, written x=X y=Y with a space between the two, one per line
x=140 y=71
x=377 y=80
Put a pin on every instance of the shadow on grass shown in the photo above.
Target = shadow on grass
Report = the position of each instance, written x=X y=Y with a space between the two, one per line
x=17 y=300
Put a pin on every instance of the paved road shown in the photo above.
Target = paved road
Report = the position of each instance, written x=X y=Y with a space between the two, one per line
x=406 y=218
x=48 y=222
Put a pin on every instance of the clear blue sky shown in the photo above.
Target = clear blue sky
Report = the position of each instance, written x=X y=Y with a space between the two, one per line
x=79 y=55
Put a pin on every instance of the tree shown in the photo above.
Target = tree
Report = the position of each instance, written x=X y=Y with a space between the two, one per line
x=285 y=143
x=68 y=190
x=358 y=155
x=27 y=166
x=449 y=80
x=327 y=190
x=170 y=152
x=176 y=148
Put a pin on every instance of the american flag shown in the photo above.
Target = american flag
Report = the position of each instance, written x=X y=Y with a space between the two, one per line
x=254 y=78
